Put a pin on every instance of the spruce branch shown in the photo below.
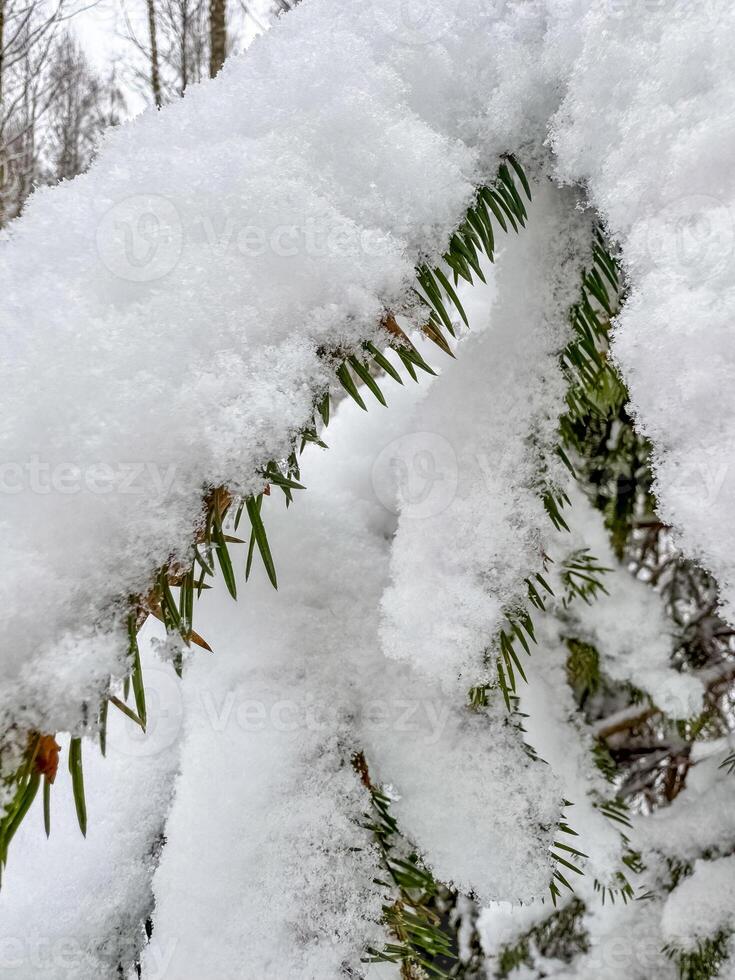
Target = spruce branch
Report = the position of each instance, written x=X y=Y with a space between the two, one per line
x=436 y=292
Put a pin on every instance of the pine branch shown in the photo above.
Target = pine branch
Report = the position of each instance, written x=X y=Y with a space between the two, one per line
x=420 y=940
x=703 y=962
x=500 y=203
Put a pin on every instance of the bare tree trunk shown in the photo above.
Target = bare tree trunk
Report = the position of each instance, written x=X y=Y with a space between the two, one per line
x=2 y=48
x=217 y=35
x=3 y=169
x=155 y=73
x=184 y=46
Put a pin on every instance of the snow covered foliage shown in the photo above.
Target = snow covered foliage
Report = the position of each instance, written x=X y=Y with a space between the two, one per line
x=628 y=624
x=315 y=686
x=259 y=227
x=473 y=538
x=90 y=897
x=490 y=668
x=660 y=81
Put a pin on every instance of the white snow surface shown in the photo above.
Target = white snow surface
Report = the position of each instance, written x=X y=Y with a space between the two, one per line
x=647 y=121
x=88 y=897
x=625 y=941
x=474 y=527
x=164 y=319
x=628 y=624
x=297 y=684
x=161 y=315
x=559 y=734
x=701 y=819
x=702 y=904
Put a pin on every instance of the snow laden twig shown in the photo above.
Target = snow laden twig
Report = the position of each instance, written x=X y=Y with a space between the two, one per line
x=592 y=386
x=594 y=390
x=498 y=205
x=422 y=941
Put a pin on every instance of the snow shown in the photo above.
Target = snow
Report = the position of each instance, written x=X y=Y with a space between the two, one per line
x=484 y=440
x=557 y=731
x=695 y=830
x=192 y=288
x=88 y=897
x=297 y=684
x=191 y=277
x=471 y=530
x=502 y=924
x=482 y=813
x=268 y=766
x=701 y=819
x=171 y=340
x=664 y=82
x=625 y=941
x=628 y=625
x=702 y=905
